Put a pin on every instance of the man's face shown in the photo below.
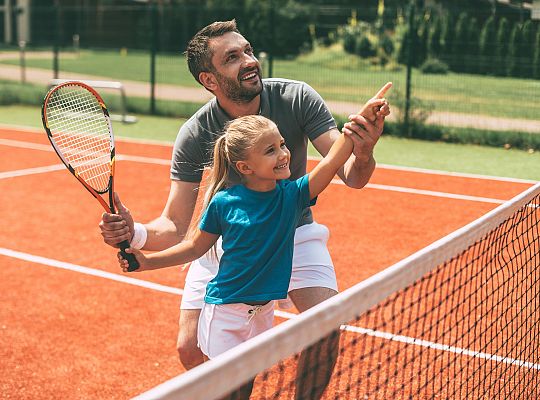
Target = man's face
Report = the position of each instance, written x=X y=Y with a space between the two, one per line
x=236 y=69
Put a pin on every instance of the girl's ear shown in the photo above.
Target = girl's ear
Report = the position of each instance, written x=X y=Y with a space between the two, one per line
x=208 y=80
x=243 y=168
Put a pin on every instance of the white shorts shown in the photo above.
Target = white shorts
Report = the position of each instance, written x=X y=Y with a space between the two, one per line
x=312 y=267
x=224 y=326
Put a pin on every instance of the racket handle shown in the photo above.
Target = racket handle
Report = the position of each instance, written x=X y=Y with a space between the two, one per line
x=132 y=261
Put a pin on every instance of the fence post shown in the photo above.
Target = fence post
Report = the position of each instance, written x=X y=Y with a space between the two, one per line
x=22 y=60
x=272 y=41
x=410 y=58
x=153 y=52
x=56 y=46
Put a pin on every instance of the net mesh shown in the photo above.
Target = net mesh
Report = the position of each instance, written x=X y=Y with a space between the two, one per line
x=81 y=133
x=468 y=328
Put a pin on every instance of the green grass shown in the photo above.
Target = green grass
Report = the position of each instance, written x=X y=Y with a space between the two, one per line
x=336 y=75
x=389 y=150
x=147 y=127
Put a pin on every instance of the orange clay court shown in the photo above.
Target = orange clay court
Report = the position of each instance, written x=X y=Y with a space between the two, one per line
x=72 y=325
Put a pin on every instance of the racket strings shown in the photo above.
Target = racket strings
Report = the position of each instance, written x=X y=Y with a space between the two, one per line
x=82 y=134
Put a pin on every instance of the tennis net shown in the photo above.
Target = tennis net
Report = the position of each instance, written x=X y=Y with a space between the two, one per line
x=459 y=319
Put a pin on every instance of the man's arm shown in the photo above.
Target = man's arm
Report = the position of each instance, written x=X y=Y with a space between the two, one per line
x=360 y=166
x=163 y=232
x=171 y=226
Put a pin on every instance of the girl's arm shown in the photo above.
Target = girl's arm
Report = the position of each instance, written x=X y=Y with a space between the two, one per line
x=324 y=172
x=181 y=253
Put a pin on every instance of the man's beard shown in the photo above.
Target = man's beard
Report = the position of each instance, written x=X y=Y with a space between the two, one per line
x=234 y=90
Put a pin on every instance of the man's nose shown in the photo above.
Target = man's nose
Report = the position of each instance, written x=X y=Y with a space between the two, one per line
x=250 y=60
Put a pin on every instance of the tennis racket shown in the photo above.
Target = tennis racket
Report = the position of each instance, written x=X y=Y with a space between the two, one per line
x=79 y=128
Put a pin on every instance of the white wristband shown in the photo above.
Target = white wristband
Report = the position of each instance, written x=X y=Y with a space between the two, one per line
x=139 y=236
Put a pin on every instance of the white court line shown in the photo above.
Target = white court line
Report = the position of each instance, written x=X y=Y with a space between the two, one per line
x=89 y=271
x=25 y=145
x=172 y=290
x=438 y=346
x=427 y=192
x=160 y=161
x=457 y=174
x=31 y=171
x=142 y=159
x=314 y=158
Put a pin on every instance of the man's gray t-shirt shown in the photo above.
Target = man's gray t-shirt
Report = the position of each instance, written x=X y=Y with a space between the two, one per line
x=297 y=109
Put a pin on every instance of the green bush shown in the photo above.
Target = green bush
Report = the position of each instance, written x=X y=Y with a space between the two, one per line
x=349 y=43
x=364 y=47
x=17 y=93
x=387 y=45
x=434 y=66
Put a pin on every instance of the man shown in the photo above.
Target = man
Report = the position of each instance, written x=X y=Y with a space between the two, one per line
x=222 y=60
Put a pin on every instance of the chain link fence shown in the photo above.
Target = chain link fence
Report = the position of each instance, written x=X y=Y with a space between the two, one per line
x=461 y=71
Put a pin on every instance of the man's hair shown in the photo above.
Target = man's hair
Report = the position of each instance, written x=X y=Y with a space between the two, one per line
x=198 y=52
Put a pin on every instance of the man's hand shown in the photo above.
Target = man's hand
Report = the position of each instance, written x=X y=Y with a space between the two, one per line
x=364 y=135
x=116 y=228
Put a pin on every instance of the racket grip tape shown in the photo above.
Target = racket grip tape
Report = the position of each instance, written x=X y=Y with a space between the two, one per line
x=132 y=261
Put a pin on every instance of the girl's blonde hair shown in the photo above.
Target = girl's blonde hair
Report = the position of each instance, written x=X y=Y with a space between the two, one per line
x=240 y=136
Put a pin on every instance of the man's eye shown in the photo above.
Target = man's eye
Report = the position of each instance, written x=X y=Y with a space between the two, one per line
x=270 y=151
x=283 y=145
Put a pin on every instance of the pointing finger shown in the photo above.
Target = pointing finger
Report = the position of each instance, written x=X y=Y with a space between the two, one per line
x=380 y=94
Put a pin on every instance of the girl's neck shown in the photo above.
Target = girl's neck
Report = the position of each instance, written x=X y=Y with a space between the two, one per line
x=259 y=185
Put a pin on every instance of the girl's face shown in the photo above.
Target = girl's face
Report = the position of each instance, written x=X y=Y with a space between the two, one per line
x=268 y=160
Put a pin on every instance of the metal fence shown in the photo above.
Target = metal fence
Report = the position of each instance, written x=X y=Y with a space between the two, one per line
x=476 y=66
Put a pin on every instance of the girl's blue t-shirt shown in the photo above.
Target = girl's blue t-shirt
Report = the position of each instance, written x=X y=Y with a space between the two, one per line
x=257 y=230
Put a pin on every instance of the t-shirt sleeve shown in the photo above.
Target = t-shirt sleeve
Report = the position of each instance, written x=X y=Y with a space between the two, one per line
x=317 y=118
x=210 y=221
x=303 y=189
x=188 y=157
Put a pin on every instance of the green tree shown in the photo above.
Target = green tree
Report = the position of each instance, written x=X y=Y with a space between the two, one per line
x=282 y=31
x=448 y=37
x=488 y=41
x=526 y=50
x=512 y=61
x=422 y=48
x=536 y=59
x=460 y=44
x=403 y=54
x=473 y=47
x=435 y=39
x=501 y=47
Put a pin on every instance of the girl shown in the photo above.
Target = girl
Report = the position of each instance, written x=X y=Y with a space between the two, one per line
x=256 y=220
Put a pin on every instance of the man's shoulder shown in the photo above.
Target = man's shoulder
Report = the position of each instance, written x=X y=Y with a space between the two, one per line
x=201 y=121
x=281 y=90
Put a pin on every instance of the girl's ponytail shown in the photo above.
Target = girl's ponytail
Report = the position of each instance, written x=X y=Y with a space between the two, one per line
x=219 y=174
